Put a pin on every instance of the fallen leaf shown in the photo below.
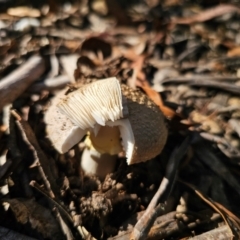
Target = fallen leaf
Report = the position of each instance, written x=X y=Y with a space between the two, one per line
x=40 y=218
x=155 y=97
x=235 y=52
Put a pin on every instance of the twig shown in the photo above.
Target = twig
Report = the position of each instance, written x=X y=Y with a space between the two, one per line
x=214 y=206
x=231 y=216
x=220 y=85
x=218 y=233
x=51 y=84
x=198 y=78
x=57 y=207
x=40 y=158
x=84 y=233
x=13 y=85
x=212 y=82
x=60 y=207
x=144 y=224
x=208 y=14
x=168 y=227
x=65 y=229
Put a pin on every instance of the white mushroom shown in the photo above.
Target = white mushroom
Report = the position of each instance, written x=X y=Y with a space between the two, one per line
x=64 y=134
x=117 y=118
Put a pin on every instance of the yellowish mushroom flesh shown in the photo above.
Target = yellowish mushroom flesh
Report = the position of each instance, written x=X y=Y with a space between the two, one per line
x=107 y=140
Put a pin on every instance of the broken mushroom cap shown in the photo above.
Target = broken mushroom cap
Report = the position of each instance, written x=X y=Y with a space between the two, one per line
x=106 y=103
x=61 y=131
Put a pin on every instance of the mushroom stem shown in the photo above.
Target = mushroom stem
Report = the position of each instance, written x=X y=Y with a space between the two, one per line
x=100 y=155
x=95 y=163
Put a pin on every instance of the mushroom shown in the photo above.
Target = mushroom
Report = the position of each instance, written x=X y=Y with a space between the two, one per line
x=115 y=117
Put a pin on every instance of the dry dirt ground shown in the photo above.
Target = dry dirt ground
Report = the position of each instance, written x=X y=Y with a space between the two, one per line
x=184 y=56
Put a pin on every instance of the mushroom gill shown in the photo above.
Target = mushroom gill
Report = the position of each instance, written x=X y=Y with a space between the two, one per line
x=106 y=103
x=94 y=103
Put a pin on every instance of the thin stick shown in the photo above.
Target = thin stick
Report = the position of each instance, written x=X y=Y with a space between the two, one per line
x=221 y=232
x=41 y=159
x=50 y=84
x=13 y=85
x=153 y=210
x=83 y=232
x=208 y=201
x=54 y=201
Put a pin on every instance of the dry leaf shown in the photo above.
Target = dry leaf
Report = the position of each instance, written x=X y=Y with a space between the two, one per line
x=235 y=52
x=40 y=218
x=155 y=97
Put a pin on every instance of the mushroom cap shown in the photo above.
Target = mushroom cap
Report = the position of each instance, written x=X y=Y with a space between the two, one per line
x=61 y=131
x=108 y=103
x=148 y=126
